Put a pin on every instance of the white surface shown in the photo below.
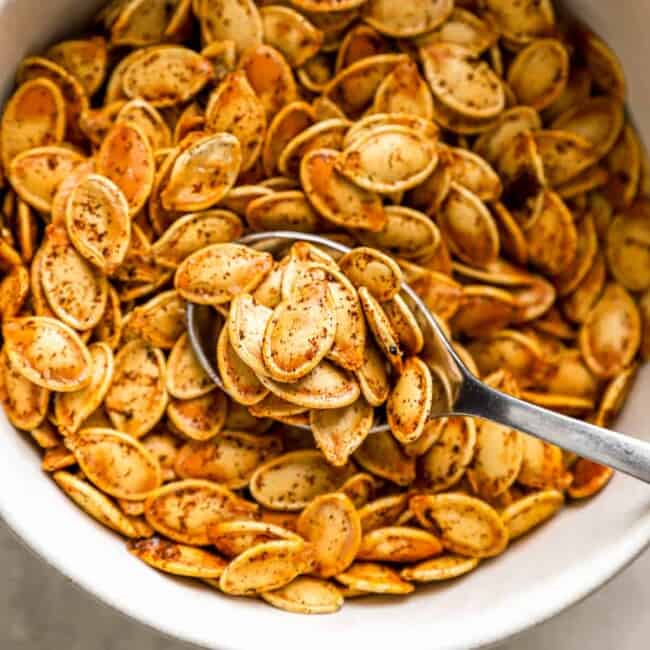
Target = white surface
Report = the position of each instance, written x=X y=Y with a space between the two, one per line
x=539 y=576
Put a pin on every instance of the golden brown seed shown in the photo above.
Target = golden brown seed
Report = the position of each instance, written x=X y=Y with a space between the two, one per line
x=290 y=482
x=47 y=353
x=331 y=523
x=185 y=510
x=177 y=559
x=137 y=397
x=218 y=273
x=116 y=463
x=230 y=459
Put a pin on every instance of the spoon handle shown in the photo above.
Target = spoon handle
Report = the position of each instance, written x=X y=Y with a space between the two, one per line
x=623 y=453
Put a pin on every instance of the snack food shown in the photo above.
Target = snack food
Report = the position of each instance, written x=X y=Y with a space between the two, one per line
x=480 y=154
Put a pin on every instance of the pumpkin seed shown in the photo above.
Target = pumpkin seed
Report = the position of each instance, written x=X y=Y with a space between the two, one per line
x=270 y=77
x=331 y=524
x=186 y=378
x=234 y=537
x=542 y=466
x=539 y=73
x=360 y=488
x=354 y=87
x=36 y=174
x=137 y=397
x=230 y=459
x=98 y=223
x=177 y=559
x=299 y=333
x=34 y=117
x=306 y=595
x=389 y=159
x=611 y=333
x=445 y=567
x=581 y=301
x=239 y=380
x=266 y=567
x=521 y=23
x=373 y=578
x=512 y=122
x=218 y=273
x=366 y=267
x=382 y=329
x=603 y=64
x=96 y=504
x=407 y=21
x=284 y=210
x=462 y=84
x=203 y=173
x=444 y=464
x=468 y=227
x=72 y=409
x=76 y=291
x=465 y=525
x=628 y=248
x=231 y=100
x=339 y=432
x=24 y=402
x=126 y=157
x=497 y=459
x=464 y=28
x=160 y=321
x=588 y=478
x=142 y=114
x=334 y=197
x=116 y=463
x=325 y=387
x=246 y=324
x=381 y=455
x=599 y=120
x=531 y=511
x=193 y=232
x=404 y=91
x=399 y=544
x=290 y=482
x=14 y=289
x=184 y=511
x=47 y=352
x=165 y=75
x=75 y=98
x=409 y=405
x=223 y=20
x=551 y=235
x=200 y=418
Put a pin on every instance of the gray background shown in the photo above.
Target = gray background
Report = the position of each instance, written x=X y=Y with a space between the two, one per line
x=42 y=610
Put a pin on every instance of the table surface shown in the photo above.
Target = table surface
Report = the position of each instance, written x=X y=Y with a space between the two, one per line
x=42 y=610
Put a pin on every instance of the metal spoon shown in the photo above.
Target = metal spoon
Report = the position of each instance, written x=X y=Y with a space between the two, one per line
x=469 y=396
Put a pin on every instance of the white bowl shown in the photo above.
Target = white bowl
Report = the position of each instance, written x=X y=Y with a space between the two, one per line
x=539 y=576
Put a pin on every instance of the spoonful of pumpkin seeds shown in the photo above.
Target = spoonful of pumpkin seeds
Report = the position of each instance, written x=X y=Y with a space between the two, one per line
x=321 y=343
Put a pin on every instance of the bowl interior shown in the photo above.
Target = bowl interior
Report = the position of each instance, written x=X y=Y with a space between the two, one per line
x=540 y=575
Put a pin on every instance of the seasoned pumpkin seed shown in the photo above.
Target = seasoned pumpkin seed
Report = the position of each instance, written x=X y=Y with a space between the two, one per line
x=72 y=409
x=331 y=524
x=290 y=482
x=137 y=397
x=465 y=525
x=185 y=510
x=47 y=352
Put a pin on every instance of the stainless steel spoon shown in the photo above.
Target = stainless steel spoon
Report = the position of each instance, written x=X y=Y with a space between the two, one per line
x=469 y=396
